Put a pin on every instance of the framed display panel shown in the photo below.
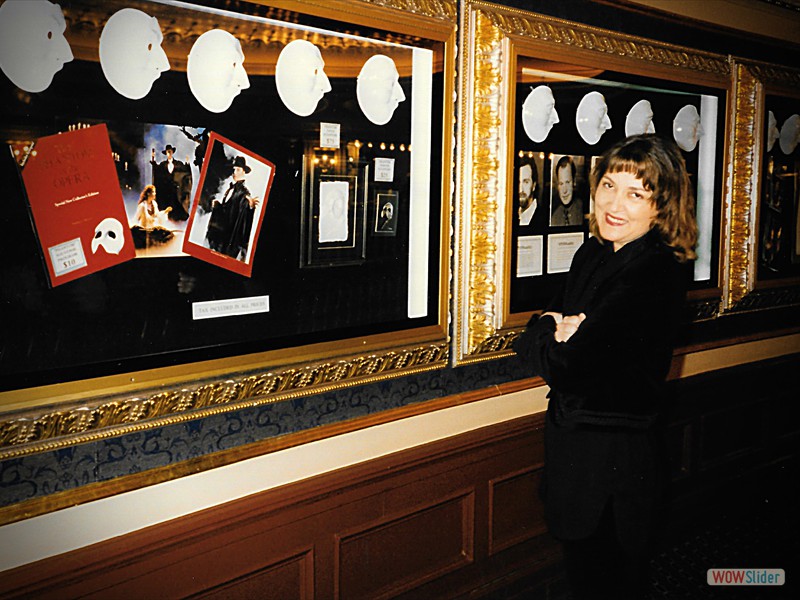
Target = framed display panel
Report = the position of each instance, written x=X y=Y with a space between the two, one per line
x=763 y=253
x=544 y=97
x=170 y=336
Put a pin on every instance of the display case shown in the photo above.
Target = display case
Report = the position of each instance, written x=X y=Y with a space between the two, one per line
x=276 y=138
x=763 y=252
x=543 y=99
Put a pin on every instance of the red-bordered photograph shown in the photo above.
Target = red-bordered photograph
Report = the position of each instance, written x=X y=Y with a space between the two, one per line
x=228 y=207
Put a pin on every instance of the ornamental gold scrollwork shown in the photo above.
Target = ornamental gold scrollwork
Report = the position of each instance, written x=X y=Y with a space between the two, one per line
x=582 y=37
x=108 y=418
x=741 y=251
x=486 y=149
x=442 y=9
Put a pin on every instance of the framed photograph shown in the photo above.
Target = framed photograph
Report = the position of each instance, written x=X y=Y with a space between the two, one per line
x=228 y=208
x=547 y=97
x=333 y=220
x=763 y=255
x=220 y=308
x=387 y=212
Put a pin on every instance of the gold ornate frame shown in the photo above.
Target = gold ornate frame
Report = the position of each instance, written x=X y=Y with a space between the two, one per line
x=491 y=38
x=54 y=416
x=742 y=290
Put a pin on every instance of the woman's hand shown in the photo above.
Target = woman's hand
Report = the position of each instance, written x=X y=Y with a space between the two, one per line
x=567 y=326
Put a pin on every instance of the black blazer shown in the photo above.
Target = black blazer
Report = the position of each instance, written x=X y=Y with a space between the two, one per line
x=607 y=385
x=611 y=372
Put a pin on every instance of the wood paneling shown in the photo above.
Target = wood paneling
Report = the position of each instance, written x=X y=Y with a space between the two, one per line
x=399 y=524
x=512 y=520
x=370 y=566
x=460 y=517
x=292 y=579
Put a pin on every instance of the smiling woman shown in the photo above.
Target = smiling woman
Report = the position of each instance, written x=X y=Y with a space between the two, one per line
x=604 y=348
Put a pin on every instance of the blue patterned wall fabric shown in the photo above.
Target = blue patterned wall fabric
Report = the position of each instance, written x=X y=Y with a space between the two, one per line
x=45 y=473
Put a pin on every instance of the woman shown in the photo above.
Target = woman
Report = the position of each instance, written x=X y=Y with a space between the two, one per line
x=147 y=225
x=604 y=347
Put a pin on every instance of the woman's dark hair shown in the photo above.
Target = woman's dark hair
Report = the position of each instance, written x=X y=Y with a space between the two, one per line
x=659 y=164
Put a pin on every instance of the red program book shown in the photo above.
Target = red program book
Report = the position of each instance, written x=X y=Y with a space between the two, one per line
x=76 y=203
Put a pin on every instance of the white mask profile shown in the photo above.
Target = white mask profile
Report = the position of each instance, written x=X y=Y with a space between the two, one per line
x=640 y=119
x=790 y=134
x=32 y=43
x=591 y=118
x=539 y=113
x=686 y=129
x=109 y=235
x=772 y=131
x=131 y=54
x=300 y=77
x=215 y=70
x=378 y=89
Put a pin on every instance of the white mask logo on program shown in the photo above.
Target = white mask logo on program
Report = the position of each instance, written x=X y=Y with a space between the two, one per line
x=109 y=235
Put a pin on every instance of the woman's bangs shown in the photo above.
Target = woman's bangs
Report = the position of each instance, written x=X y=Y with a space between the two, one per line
x=639 y=169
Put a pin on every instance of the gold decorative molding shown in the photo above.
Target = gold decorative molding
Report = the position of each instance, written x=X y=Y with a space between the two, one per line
x=748 y=95
x=775 y=75
x=585 y=37
x=490 y=36
x=437 y=9
x=102 y=418
x=482 y=146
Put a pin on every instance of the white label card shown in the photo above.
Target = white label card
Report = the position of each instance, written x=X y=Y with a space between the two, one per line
x=384 y=169
x=329 y=135
x=230 y=308
x=67 y=256
x=530 y=255
x=561 y=247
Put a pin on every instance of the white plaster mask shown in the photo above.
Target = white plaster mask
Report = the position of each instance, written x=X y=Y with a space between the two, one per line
x=591 y=118
x=539 y=113
x=300 y=77
x=790 y=134
x=772 y=131
x=109 y=235
x=32 y=43
x=686 y=129
x=378 y=89
x=215 y=70
x=640 y=119
x=131 y=54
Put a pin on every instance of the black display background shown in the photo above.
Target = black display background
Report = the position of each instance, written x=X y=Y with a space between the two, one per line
x=135 y=315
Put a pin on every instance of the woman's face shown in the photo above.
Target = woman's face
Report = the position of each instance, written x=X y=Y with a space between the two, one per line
x=623 y=208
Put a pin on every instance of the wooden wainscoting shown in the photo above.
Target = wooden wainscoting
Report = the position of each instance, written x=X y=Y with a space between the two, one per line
x=436 y=521
x=455 y=518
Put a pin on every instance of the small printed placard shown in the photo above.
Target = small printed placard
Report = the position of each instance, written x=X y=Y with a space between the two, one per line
x=67 y=257
x=230 y=308
x=384 y=169
x=529 y=255
x=561 y=247
x=329 y=135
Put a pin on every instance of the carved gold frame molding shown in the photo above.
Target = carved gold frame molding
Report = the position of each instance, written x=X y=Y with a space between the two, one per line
x=64 y=414
x=752 y=82
x=490 y=37
x=106 y=416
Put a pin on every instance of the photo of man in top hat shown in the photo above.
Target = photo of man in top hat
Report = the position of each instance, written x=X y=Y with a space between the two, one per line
x=232 y=214
x=173 y=181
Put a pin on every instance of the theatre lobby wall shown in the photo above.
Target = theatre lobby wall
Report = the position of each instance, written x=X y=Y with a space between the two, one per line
x=419 y=486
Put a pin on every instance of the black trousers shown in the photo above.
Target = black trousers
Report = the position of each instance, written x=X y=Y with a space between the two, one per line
x=598 y=567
